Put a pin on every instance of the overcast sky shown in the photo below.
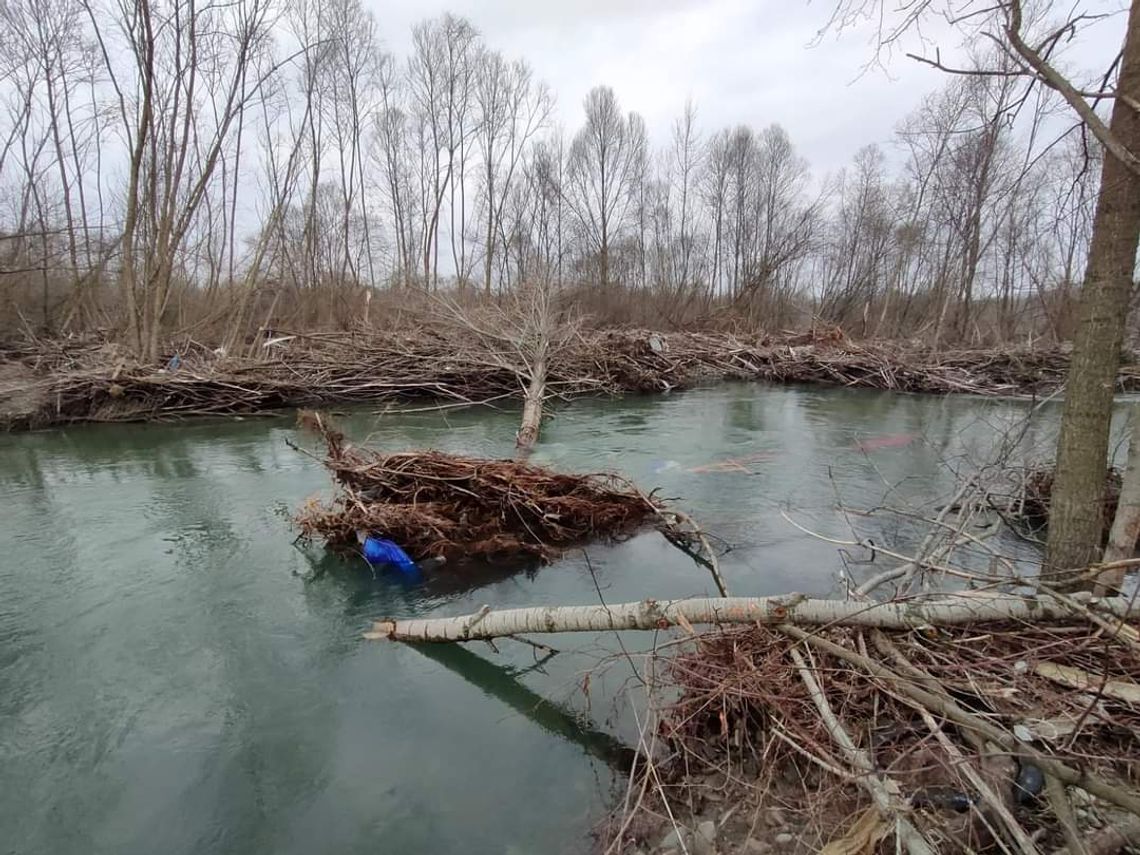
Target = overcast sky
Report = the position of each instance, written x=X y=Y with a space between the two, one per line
x=741 y=61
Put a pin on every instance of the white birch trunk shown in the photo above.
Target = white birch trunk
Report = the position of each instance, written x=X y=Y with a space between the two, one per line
x=794 y=609
x=1126 y=525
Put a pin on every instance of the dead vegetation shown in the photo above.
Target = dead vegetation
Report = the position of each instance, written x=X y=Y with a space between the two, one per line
x=466 y=509
x=1003 y=737
x=90 y=380
x=1031 y=507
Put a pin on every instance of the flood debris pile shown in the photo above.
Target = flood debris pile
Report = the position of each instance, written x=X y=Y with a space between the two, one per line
x=460 y=508
x=1024 y=496
x=989 y=737
x=908 y=367
x=93 y=380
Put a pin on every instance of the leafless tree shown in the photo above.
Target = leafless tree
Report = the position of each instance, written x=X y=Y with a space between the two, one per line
x=605 y=159
x=271 y=149
x=513 y=107
x=1029 y=45
x=441 y=83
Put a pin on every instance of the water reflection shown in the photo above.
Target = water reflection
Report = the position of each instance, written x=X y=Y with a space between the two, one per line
x=503 y=683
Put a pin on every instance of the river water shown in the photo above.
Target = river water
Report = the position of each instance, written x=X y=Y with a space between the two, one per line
x=177 y=677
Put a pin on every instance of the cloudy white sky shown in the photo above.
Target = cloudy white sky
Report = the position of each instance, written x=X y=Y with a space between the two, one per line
x=741 y=61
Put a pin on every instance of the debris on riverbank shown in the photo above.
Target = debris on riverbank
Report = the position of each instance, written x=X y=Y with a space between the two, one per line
x=990 y=737
x=464 y=508
x=1030 y=507
x=95 y=381
x=1024 y=502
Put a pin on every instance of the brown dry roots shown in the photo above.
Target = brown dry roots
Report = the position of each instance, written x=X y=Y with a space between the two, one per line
x=744 y=730
x=465 y=508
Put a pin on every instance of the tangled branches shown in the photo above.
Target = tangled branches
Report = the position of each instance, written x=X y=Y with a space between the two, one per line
x=90 y=381
x=466 y=508
x=979 y=737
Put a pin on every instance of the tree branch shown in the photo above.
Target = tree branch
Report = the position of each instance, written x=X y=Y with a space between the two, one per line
x=1055 y=80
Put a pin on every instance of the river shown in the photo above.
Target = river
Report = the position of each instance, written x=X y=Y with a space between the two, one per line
x=177 y=677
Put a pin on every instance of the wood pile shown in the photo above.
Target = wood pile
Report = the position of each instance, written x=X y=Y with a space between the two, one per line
x=1027 y=505
x=963 y=730
x=88 y=380
x=465 y=509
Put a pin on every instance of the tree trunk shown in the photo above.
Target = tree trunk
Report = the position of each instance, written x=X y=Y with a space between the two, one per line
x=489 y=244
x=532 y=404
x=1126 y=526
x=1076 y=515
x=795 y=609
x=604 y=272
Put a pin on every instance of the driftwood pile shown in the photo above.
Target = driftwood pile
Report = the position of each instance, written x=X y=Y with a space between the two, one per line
x=93 y=381
x=992 y=737
x=464 y=508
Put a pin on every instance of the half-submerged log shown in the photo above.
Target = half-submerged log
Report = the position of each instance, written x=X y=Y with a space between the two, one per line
x=466 y=508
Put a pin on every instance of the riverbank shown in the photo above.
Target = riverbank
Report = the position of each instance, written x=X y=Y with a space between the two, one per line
x=963 y=738
x=49 y=383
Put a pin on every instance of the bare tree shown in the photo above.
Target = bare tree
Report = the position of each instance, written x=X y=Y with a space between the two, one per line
x=441 y=83
x=523 y=335
x=512 y=109
x=536 y=236
x=858 y=264
x=195 y=70
x=1031 y=45
x=603 y=167
x=686 y=160
x=135 y=133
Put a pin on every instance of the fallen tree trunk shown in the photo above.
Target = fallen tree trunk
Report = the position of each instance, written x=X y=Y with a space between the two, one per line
x=795 y=609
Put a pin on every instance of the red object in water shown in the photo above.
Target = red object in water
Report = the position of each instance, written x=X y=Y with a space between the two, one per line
x=894 y=440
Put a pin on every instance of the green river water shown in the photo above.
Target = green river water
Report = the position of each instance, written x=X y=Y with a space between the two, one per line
x=177 y=677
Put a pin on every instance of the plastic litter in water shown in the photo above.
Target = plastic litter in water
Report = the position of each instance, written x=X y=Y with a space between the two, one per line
x=384 y=553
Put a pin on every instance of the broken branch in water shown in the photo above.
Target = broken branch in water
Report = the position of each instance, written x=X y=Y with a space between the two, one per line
x=682 y=531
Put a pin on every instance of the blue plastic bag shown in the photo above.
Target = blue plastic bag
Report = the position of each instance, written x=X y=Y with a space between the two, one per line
x=380 y=552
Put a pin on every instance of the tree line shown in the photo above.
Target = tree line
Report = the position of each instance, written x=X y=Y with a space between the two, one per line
x=157 y=155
